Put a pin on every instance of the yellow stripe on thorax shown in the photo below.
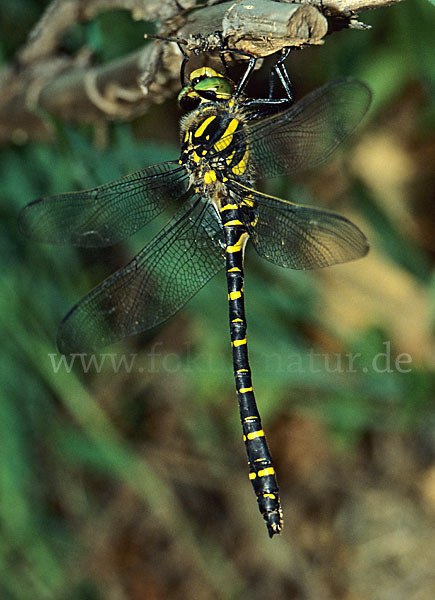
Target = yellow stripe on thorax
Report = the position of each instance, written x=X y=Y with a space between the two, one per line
x=241 y=167
x=203 y=126
x=229 y=158
x=226 y=137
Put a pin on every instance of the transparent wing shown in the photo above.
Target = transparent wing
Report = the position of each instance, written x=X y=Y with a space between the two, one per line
x=305 y=134
x=107 y=214
x=296 y=236
x=165 y=274
x=309 y=131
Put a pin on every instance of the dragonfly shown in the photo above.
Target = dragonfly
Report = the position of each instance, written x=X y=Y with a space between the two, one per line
x=228 y=142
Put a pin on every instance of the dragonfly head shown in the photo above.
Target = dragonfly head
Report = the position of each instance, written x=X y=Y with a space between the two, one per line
x=205 y=85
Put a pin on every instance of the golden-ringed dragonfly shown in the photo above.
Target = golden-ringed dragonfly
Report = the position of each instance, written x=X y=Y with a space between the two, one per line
x=226 y=146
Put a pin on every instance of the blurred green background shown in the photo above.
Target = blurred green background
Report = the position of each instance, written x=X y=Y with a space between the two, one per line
x=132 y=483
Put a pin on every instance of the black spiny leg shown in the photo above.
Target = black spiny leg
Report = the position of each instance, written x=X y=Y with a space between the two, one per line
x=183 y=63
x=280 y=70
x=246 y=75
x=261 y=470
x=260 y=107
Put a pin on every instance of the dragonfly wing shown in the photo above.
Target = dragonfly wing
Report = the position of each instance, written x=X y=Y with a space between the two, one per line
x=309 y=131
x=165 y=274
x=107 y=214
x=296 y=236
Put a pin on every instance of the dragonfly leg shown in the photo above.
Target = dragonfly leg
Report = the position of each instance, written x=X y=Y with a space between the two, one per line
x=280 y=70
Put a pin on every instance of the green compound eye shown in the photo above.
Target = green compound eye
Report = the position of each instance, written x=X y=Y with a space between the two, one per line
x=219 y=86
x=205 y=89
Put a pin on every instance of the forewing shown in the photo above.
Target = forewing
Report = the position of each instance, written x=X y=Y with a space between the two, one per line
x=309 y=131
x=296 y=236
x=165 y=274
x=107 y=214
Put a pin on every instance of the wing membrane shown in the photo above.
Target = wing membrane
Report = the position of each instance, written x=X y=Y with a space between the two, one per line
x=107 y=214
x=165 y=274
x=309 y=131
x=299 y=237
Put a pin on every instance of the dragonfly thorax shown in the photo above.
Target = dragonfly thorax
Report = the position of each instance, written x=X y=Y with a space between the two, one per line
x=214 y=146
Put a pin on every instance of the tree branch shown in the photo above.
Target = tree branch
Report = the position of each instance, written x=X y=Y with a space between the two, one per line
x=41 y=80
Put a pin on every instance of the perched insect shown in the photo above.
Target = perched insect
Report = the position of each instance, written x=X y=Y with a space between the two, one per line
x=227 y=142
